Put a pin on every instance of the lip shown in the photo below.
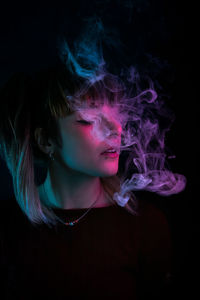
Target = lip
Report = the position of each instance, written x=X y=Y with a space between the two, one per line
x=115 y=148
x=110 y=155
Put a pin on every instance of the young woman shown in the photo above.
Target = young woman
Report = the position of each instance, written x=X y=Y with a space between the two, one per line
x=78 y=230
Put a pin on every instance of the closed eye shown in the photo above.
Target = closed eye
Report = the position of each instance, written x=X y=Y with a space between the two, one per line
x=84 y=122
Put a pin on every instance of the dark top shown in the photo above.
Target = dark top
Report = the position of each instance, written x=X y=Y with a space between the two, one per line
x=110 y=254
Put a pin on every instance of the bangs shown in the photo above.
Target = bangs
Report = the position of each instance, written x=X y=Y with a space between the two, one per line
x=67 y=94
x=107 y=91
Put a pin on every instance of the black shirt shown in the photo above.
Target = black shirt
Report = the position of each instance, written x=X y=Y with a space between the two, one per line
x=109 y=254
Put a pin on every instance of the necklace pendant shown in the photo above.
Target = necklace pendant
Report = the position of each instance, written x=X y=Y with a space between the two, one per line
x=71 y=223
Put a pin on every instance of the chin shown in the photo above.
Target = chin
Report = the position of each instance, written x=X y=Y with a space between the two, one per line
x=109 y=173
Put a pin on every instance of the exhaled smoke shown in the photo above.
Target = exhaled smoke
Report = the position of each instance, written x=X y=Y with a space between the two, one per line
x=143 y=117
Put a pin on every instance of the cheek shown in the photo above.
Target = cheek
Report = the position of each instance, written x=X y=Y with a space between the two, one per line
x=79 y=150
x=87 y=142
x=85 y=157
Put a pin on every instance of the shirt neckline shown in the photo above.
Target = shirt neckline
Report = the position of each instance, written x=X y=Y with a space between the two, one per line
x=59 y=209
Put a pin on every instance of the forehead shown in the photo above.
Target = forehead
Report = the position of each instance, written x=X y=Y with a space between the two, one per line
x=104 y=109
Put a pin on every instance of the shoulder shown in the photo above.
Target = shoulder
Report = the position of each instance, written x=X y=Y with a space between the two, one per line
x=151 y=214
x=155 y=231
x=156 y=252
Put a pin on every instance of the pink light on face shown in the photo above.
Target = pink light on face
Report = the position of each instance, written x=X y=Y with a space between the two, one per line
x=104 y=125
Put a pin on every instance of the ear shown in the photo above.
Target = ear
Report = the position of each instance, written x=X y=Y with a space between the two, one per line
x=44 y=144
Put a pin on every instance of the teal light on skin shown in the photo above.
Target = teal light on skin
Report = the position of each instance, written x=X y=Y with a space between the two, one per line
x=73 y=179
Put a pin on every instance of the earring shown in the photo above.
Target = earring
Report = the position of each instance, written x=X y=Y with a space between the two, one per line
x=51 y=156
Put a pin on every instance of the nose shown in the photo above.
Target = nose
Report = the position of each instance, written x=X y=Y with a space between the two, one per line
x=114 y=126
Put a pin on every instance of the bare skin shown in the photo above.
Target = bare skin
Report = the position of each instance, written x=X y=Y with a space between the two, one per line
x=73 y=179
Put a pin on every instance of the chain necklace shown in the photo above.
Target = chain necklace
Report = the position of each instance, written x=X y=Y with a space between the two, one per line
x=77 y=220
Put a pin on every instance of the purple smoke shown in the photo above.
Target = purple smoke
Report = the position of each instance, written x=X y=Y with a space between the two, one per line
x=144 y=117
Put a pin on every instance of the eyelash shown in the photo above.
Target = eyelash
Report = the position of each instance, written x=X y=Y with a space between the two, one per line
x=85 y=122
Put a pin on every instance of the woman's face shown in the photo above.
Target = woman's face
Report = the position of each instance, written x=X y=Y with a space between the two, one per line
x=85 y=135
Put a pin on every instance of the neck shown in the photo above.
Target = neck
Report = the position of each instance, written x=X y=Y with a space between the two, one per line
x=72 y=190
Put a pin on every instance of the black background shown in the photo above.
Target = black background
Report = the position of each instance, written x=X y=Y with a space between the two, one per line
x=166 y=31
